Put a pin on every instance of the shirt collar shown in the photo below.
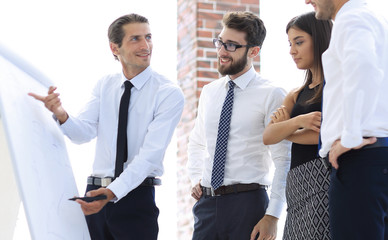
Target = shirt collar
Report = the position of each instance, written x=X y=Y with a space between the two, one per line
x=139 y=80
x=243 y=80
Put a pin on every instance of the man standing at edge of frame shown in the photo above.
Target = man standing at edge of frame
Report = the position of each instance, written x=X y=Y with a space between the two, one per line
x=354 y=127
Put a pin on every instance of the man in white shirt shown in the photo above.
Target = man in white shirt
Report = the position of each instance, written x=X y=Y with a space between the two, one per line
x=155 y=107
x=239 y=208
x=355 y=127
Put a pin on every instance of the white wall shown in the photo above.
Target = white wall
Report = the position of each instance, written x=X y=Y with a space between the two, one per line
x=276 y=63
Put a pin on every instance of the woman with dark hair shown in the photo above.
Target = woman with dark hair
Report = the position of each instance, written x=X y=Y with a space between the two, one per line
x=298 y=121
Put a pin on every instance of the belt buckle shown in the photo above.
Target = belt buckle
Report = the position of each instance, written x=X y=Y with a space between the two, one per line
x=213 y=193
x=105 y=182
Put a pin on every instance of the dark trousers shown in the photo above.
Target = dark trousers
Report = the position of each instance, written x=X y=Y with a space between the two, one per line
x=229 y=217
x=358 y=196
x=134 y=217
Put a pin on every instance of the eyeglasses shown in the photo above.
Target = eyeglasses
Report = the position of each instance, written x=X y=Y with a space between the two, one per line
x=230 y=47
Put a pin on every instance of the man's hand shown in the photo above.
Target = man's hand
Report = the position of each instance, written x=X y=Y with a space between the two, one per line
x=267 y=227
x=196 y=191
x=337 y=149
x=52 y=103
x=96 y=206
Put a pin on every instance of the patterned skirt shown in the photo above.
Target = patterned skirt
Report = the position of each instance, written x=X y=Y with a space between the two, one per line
x=308 y=202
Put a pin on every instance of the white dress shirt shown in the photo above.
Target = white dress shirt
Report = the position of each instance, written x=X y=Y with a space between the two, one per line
x=355 y=97
x=248 y=160
x=155 y=108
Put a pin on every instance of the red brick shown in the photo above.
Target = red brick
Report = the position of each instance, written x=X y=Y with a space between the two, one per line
x=203 y=33
x=250 y=2
x=199 y=93
x=205 y=44
x=200 y=23
x=213 y=24
x=228 y=1
x=208 y=6
x=209 y=16
x=199 y=52
x=203 y=64
x=215 y=64
x=229 y=7
x=207 y=74
x=255 y=9
x=211 y=54
x=200 y=84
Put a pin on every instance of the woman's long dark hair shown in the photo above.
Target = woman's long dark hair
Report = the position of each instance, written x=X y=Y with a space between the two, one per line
x=320 y=32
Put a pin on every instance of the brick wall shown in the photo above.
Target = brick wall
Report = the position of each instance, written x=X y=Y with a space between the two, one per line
x=199 y=21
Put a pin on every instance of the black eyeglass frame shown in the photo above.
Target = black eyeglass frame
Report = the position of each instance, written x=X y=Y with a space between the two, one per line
x=226 y=45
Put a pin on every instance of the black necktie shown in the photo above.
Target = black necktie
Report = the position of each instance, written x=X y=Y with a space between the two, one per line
x=122 y=147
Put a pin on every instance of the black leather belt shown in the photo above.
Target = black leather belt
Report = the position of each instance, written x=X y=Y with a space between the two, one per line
x=381 y=142
x=151 y=181
x=104 y=182
x=236 y=188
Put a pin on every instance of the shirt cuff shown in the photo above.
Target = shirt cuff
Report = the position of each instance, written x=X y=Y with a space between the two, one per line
x=118 y=187
x=64 y=125
x=275 y=208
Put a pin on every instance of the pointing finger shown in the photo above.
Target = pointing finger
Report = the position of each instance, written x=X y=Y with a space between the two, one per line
x=37 y=97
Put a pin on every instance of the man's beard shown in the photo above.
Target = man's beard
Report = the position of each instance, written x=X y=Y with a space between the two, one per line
x=235 y=67
x=325 y=11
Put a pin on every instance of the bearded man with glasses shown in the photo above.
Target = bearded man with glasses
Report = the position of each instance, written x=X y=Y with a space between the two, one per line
x=228 y=165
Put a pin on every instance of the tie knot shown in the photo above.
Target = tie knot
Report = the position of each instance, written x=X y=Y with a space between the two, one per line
x=231 y=84
x=128 y=85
